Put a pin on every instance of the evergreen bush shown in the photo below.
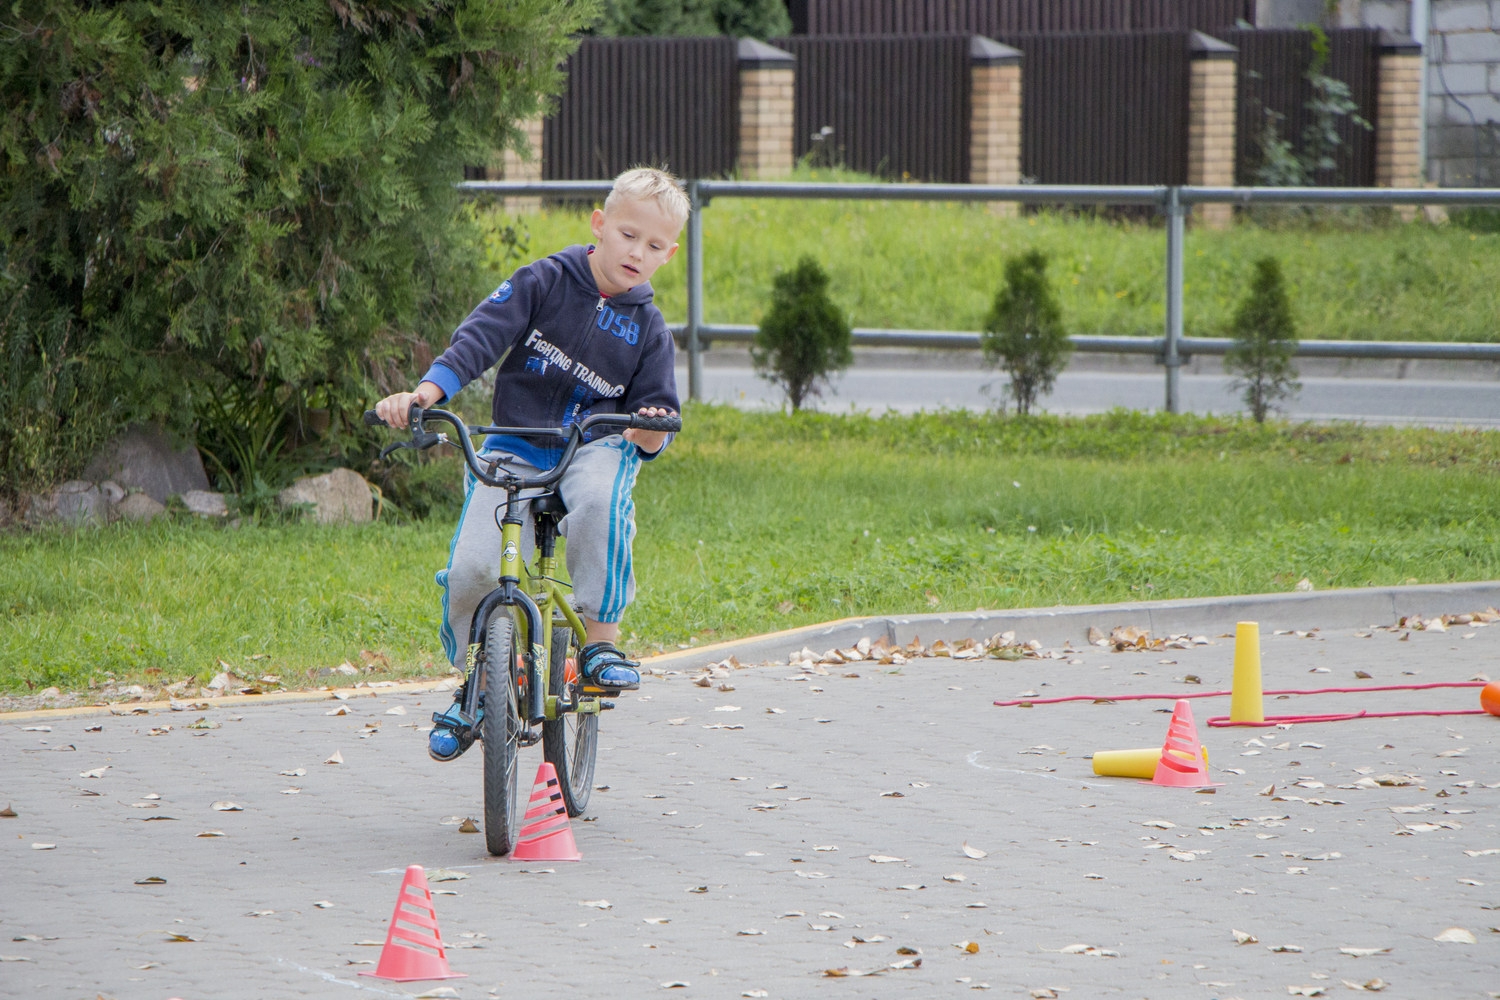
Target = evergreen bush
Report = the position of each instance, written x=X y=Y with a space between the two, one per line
x=803 y=337
x=1265 y=339
x=1023 y=333
x=234 y=216
x=743 y=18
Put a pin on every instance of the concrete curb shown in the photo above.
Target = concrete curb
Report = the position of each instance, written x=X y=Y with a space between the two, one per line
x=1050 y=626
x=1053 y=626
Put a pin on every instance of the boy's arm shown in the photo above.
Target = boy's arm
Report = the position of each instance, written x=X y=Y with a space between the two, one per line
x=491 y=330
x=653 y=389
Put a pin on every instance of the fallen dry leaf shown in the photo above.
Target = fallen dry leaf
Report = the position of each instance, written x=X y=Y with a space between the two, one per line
x=468 y=826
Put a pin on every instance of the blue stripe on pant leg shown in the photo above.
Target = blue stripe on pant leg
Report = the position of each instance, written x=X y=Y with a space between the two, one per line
x=445 y=630
x=618 y=561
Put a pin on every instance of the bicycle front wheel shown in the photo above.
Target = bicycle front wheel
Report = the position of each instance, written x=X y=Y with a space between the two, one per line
x=570 y=741
x=501 y=735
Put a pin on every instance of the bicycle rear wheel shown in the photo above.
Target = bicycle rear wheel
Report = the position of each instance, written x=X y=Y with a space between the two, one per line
x=501 y=735
x=570 y=741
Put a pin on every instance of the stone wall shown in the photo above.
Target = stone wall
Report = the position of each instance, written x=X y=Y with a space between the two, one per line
x=1463 y=93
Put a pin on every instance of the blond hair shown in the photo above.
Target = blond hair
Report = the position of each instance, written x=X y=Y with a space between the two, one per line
x=650 y=184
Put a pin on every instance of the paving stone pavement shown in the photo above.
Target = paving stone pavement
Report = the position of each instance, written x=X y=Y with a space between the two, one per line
x=748 y=840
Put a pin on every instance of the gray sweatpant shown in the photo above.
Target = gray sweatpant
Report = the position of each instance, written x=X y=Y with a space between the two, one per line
x=599 y=527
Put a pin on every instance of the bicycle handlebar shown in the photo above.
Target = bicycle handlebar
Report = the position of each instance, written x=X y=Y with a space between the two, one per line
x=572 y=434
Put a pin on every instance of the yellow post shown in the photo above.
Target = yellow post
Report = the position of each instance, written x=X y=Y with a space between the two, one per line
x=1246 y=699
x=1127 y=763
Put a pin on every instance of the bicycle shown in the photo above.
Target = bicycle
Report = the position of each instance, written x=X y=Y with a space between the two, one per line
x=508 y=648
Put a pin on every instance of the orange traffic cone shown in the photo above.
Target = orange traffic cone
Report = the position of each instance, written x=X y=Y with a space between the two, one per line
x=546 y=834
x=1183 y=762
x=413 y=948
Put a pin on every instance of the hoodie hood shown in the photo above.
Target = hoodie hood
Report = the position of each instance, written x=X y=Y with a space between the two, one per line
x=575 y=262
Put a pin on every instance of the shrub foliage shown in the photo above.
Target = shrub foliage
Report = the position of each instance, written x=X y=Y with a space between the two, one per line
x=1023 y=334
x=229 y=216
x=744 y=18
x=1265 y=339
x=803 y=337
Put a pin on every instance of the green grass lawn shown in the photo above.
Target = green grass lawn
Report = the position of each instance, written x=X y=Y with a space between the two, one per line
x=755 y=521
x=937 y=266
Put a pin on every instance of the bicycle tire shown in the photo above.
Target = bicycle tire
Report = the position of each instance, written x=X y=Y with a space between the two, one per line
x=501 y=736
x=570 y=742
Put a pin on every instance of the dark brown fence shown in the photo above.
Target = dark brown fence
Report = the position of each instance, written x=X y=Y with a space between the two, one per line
x=670 y=102
x=1104 y=108
x=994 y=18
x=1273 y=68
x=896 y=106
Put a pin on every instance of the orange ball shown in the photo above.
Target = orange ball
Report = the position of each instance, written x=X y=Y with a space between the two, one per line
x=1489 y=697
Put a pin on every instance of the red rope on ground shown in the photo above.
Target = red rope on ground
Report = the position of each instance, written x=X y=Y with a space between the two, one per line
x=1221 y=721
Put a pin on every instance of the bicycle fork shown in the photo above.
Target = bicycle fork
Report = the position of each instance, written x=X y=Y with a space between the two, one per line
x=510 y=594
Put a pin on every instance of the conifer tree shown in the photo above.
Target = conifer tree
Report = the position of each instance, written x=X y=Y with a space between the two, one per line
x=1265 y=339
x=803 y=338
x=224 y=215
x=1023 y=334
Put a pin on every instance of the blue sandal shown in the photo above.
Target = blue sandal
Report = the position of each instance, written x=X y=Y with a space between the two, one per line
x=605 y=669
x=451 y=735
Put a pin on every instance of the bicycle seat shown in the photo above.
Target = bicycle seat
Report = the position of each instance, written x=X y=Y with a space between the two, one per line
x=549 y=503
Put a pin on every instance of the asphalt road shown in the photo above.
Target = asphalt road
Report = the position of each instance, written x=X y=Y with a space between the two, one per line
x=753 y=837
x=1443 y=396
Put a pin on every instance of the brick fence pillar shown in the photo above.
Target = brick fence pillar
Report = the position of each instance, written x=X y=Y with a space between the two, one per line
x=995 y=116
x=508 y=165
x=1398 y=113
x=767 y=76
x=1211 y=111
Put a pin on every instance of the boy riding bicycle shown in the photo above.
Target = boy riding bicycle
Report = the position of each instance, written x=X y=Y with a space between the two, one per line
x=573 y=334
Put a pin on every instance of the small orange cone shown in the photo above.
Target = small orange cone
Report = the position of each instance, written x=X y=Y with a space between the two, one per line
x=1183 y=761
x=546 y=834
x=413 y=948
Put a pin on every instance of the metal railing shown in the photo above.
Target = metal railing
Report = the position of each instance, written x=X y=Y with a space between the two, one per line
x=1171 y=349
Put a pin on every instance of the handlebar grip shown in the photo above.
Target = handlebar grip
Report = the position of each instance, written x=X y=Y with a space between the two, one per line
x=671 y=424
x=372 y=419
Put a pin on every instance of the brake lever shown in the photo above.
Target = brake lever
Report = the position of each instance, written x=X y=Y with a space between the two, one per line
x=419 y=440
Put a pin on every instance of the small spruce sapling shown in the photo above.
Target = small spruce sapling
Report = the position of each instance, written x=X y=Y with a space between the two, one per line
x=1265 y=338
x=804 y=338
x=1023 y=334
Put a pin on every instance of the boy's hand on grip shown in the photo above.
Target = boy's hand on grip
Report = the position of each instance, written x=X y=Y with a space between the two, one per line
x=650 y=442
x=395 y=409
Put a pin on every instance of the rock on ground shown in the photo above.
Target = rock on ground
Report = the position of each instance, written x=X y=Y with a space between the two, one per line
x=205 y=504
x=340 y=495
x=146 y=458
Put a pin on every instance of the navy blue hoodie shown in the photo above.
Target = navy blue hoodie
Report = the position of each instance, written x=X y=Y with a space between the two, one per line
x=564 y=351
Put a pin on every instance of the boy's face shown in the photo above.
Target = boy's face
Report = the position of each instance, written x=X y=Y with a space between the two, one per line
x=632 y=240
